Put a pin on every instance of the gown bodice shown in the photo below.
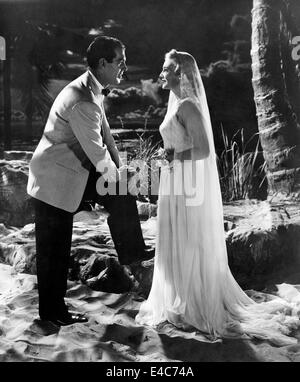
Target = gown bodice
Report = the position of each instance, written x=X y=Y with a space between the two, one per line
x=175 y=135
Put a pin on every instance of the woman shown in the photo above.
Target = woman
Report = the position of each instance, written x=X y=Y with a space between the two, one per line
x=192 y=283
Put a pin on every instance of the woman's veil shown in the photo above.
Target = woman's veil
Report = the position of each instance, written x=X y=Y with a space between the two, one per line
x=208 y=296
x=210 y=211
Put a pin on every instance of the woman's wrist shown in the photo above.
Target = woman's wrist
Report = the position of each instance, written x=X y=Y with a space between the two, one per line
x=183 y=155
x=169 y=155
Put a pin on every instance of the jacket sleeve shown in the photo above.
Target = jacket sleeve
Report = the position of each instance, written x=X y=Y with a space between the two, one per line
x=86 y=121
x=111 y=144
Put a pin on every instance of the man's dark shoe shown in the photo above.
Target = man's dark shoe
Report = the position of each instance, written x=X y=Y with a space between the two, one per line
x=71 y=319
x=68 y=319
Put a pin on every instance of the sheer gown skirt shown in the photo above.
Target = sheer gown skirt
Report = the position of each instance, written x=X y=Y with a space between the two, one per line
x=191 y=288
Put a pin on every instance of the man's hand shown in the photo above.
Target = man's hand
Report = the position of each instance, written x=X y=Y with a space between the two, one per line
x=111 y=176
x=126 y=172
x=123 y=174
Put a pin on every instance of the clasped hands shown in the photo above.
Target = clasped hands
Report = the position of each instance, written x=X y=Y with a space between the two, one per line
x=124 y=174
x=127 y=174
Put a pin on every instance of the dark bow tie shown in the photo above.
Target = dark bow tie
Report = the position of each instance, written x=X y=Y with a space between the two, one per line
x=105 y=91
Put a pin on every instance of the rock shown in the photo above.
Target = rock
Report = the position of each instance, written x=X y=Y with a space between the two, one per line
x=143 y=274
x=88 y=263
x=20 y=256
x=264 y=242
x=113 y=279
x=4 y=231
x=93 y=259
x=18 y=155
x=263 y=245
x=16 y=207
x=24 y=257
x=102 y=272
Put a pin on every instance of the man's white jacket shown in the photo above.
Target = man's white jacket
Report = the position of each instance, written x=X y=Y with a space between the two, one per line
x=76 y=135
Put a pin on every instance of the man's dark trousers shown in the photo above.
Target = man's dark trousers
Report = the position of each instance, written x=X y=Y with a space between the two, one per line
x=54 y=236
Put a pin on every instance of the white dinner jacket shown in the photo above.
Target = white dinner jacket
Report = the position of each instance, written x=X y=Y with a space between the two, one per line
x=76 y=135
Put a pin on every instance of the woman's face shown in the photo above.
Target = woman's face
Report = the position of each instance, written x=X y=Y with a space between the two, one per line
x=169 y=79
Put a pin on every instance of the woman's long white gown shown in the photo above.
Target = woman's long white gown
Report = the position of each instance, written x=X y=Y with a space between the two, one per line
x=192 y=286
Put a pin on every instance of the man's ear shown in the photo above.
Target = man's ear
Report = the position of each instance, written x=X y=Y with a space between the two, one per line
x=102 y=63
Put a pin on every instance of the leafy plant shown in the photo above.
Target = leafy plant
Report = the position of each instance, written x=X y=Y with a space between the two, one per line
x=146 y=153
x=241 y=174
x=36 y=59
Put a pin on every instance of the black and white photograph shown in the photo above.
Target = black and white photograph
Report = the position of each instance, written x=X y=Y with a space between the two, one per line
x=150 y=183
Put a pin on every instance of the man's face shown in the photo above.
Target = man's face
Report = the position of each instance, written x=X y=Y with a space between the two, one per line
x=168 y=77
x=113 y=71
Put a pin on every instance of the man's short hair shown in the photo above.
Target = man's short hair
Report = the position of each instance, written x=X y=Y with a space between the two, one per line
x=102 y=47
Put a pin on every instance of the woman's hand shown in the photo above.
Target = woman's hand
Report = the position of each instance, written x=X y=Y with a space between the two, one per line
x=126 y=172
x=165 y=154
x=160 y=153
x=169 y=155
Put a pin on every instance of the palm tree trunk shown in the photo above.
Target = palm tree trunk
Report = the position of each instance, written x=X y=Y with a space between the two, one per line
x=289 y=29
x=7 y=97
x=277 y=120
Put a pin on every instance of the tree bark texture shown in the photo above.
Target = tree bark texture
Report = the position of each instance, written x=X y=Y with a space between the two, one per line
x=7 y=97
x=274 y=98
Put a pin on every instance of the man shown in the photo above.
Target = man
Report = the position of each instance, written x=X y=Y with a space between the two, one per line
x=63 y=177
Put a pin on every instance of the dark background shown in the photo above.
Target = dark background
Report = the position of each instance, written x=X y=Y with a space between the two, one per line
x=216 y=32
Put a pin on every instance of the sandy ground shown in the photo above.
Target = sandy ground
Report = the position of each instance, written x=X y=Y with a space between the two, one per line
x=111 y=333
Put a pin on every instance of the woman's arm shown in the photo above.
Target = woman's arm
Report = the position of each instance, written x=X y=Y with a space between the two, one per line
x=191 y=118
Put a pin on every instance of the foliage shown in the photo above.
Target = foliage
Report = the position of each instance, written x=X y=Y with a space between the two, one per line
x=230 y=98
x=241 y=175
x=242 y=172
x=146 y=149
x=133 y=103
x=37 y=59
x=146 y=153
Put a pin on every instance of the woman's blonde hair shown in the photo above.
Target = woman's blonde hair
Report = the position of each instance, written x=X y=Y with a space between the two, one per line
x=185 y=61
x=186 y=67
